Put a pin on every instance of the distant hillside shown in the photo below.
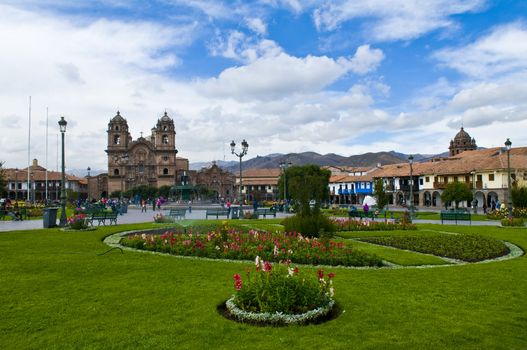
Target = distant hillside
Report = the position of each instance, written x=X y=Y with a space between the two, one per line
x=274 y=160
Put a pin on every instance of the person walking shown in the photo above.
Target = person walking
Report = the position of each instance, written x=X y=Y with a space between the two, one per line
x=154 y=204
x=143 y=206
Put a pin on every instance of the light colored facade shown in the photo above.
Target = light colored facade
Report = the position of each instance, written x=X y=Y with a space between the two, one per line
x=17 y=184
x=484 y=171
x=261 y=181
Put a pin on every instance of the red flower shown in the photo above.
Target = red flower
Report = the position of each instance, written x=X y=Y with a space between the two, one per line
x=320 y=274
x=237 y=282
x=331 y=275
x=295 y=270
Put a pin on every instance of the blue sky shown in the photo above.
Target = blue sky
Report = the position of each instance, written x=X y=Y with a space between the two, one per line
x=344 y=77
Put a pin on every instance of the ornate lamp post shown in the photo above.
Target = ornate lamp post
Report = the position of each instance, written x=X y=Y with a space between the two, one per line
x=284 y=166
x=508 y=146
x=411 y=160
x=474 y=202
x=63 y=219
x=245 y=147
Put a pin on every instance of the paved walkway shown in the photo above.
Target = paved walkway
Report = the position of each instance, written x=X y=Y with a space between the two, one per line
x=132 y=217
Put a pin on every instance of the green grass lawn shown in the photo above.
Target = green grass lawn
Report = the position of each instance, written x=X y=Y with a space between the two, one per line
x=57 y=292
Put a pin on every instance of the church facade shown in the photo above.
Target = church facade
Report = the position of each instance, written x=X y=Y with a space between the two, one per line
x=462 y=142
x=150 y=161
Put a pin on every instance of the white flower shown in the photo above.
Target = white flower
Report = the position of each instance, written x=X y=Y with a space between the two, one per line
x=257 y=261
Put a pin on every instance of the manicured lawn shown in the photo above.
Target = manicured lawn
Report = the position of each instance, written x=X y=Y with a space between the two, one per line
x=56 y=292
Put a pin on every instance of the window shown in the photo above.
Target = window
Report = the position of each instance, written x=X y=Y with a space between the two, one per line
x=117 y=128
x=367 y=185
x=117 y=140
x=165 y=128
x=165 y=158
x=165 y=171
x=427 y=179
x=164 y=139
x=116 y=172
x=491 y=177
x=141 y=168
x=421 y=182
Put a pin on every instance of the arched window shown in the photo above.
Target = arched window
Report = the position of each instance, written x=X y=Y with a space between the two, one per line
x=117 y=128
x=165 y=171
x=164 y=139
x=117 y=140
x=116 y=172
x=165 y=128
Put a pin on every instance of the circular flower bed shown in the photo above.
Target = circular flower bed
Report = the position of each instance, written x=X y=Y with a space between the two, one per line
x=281 y=295
x=229 y=243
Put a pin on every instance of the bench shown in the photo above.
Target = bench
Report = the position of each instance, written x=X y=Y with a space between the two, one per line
x=265 y=212
x=177 y=213
x=216 y=213
x=455 y=216
x=102 y=217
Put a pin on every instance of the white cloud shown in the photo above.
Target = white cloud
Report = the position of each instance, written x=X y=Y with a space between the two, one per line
x=243 y=48
x=503 y=50
x=400 y=20
x=365 y=59
x=257 y=25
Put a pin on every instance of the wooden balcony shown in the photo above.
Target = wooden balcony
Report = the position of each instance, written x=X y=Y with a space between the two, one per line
x=440 y=185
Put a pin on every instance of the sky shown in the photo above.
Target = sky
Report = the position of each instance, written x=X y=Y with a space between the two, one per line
x=344 y=77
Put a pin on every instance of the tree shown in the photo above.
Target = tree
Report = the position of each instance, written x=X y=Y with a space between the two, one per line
x=306 y=184
x=380 y=193
x=519 y=197
x=456 y=192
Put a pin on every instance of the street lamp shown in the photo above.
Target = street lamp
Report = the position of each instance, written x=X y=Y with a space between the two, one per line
x=240 y=155
x=63 y=219
x=411 y=160
x=508 y=146
x=474 y=202
x=16 y=184
x=284 y=166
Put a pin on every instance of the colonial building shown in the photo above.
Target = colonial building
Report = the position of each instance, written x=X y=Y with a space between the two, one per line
x=218 y=180
x=462 y=142
x=39 y=180
x=259 y=182
x=150 y=161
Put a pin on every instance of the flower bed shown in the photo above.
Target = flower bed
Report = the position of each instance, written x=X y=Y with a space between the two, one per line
x=229 y=243
x=350 y=224
x=466 y=247
x=499 y=214
x=512 y=222
x=77 y=222
x=281 y=295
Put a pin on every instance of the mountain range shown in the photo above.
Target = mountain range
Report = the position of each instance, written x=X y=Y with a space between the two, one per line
x=274 y=160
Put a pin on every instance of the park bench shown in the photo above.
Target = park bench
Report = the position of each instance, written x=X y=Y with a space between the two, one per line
x=102 y=217
x=455 y=216
x=178 y=213
x=216 y=213
x=265 y=212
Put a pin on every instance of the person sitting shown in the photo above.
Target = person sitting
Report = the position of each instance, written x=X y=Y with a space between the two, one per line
x=13 y=212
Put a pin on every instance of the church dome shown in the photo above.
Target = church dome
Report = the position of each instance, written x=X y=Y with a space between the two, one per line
x=462 y=135
x=166 y=118
x=118 y=118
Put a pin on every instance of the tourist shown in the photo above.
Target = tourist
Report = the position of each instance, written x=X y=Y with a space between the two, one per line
x=365 y=208
x=143 y=206
x=154 y=204
x=228 y=205
x=158 y=202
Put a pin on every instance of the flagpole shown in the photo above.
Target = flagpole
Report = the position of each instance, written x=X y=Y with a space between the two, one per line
x=47 y=119
x=29 y=152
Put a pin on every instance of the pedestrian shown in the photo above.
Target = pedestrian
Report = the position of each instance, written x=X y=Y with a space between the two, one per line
x=484 y=208
x=365 y=208
x=228 y=205
x=158 y=202
x=143 y=206
x=154 y=204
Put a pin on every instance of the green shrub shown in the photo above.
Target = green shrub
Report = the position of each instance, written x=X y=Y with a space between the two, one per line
x=343 y=224
x=466 y=247
x=283 y=289
x=309 y=226
x=512 y=222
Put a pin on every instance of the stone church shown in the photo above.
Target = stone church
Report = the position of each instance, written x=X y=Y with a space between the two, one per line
x=150 y=161
x=462 y=142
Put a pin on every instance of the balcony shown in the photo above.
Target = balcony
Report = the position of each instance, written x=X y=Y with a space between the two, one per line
x=406 y=188
x=440 y=185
